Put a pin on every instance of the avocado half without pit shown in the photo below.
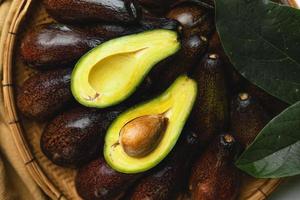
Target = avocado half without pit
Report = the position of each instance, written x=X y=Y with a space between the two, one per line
x=110 y=72
x=144 y=135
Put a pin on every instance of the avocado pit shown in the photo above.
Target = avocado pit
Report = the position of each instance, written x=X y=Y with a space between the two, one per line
x=140 y=136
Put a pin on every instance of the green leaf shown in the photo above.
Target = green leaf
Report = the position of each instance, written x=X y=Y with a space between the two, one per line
x=262 y=40
x=276 y=150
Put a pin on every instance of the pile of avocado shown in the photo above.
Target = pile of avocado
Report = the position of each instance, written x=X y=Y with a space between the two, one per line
x=141 y=98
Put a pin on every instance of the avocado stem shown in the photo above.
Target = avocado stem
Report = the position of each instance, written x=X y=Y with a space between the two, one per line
x=213 y=56
x=243 y=96
x=203 y=38
x=228 y=138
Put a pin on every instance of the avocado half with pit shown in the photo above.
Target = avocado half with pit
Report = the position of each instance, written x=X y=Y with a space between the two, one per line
x=110 y=72
x=144 y=135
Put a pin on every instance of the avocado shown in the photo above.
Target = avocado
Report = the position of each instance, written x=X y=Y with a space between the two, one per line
x=97 y=181
x=58 y=45
x=54 y=45
x=210 y=113
x=75 y=137
x=84 y=11
x=271 y=104
x=111 y=72
x=45 y=94
x=248 y=118
x=214 y=175
x=173 y=107
x=166 y=180
x=194 y=19
x=192 y=48
x=236 y=80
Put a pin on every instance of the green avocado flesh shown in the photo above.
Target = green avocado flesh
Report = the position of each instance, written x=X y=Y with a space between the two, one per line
x=110 y=72
x=177 y=102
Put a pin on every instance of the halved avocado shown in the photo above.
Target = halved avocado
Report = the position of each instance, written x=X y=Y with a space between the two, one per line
x=112 y=71
x=175 y=104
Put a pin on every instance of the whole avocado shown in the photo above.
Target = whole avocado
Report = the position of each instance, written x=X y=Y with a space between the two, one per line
x=211 y=111
x=56 y=45
x=194 y=19
x=214 y=175
x=248 y=118
x=97 y=181
x=76 y=137
x=45 y=94
x=85 y=11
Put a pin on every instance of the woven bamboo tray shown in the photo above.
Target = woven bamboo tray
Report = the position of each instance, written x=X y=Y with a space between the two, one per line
x=56 y=182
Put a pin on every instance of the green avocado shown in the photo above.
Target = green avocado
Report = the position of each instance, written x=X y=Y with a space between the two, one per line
x=174 y=105
x=111 y=72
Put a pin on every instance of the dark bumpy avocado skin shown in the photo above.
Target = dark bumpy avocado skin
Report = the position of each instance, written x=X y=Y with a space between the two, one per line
x=56 y=45
x=194 y=19
x=45 y=94
x=166 y=180
x=210 y=112
x=214 y=176
x=83 y=11
x=236 y=81
x=97 y=181
x=248 y=118
x=76 y=137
